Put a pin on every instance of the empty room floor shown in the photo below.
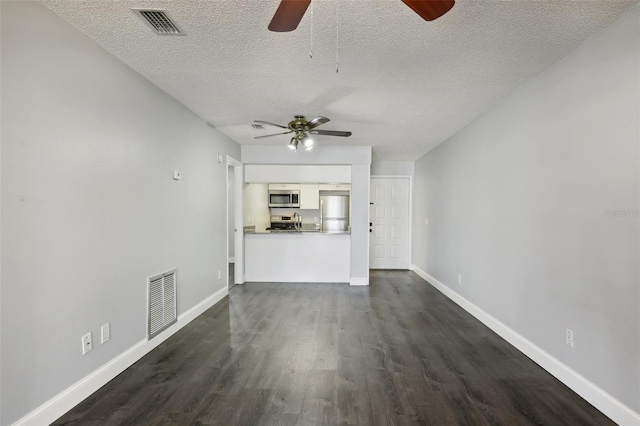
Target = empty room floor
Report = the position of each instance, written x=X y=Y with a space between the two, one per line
x=397 y=352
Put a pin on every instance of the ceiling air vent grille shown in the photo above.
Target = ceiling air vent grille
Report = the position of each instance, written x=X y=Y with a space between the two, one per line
x=161 y=310
x=159 y=21
x=258 y=126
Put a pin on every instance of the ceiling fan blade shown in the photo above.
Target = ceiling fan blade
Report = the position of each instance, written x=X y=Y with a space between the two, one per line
x=275 y=134
x=271 y=124
x=318 y=121
x=330 y=133
x=430 y=9
x=288 y=15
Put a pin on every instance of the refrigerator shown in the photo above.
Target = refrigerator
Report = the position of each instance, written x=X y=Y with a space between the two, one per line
x=334 y=211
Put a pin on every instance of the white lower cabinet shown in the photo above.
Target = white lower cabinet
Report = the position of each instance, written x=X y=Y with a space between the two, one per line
x=302 y=258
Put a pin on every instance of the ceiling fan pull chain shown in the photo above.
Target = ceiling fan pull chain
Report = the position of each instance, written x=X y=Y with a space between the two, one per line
x=337 y=32
x=311 y=47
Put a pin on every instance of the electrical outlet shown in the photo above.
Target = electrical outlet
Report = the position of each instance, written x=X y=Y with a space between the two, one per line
x=569 y=337
x=459 y=279
x=219 y=274
x=105 y=333
x=87 y=343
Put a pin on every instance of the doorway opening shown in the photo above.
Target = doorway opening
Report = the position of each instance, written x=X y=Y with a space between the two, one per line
x=231 y=225
x=235 y=231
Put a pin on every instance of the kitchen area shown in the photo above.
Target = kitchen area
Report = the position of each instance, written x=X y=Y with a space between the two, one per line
x=297 y=232
x=325 y=248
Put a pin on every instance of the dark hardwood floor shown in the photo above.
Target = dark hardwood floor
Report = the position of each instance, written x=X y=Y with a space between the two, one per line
x=395 y=353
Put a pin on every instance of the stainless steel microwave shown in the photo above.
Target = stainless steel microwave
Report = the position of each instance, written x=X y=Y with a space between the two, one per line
x=284 y=198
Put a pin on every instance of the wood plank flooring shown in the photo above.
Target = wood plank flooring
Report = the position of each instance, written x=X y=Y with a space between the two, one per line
x=395 y=353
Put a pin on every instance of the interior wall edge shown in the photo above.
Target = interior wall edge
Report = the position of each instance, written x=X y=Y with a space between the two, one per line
x=596 y=396
x=60 y=404
x=359 y=281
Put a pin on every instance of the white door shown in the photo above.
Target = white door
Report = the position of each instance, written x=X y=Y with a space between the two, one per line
x=389 y=236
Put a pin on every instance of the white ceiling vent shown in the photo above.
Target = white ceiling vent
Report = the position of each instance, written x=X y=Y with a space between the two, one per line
x=258 y=126
x=161 y=306
x=159 y=21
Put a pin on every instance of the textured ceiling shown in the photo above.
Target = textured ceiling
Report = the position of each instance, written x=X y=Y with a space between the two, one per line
x=404 y=85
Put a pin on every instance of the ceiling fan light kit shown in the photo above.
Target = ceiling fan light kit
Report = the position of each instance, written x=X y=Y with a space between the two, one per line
x=307 y=142
x=303 y=139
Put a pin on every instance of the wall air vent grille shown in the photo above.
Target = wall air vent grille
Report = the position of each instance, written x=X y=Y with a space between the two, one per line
x=159 y=21
x=161 y=309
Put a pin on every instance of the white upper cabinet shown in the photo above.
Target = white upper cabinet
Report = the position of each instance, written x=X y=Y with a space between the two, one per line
x=284 y=186
x=335 y=187
x=310 y=196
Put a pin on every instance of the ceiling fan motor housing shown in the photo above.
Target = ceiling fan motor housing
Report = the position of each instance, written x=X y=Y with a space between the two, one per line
x=299 y=124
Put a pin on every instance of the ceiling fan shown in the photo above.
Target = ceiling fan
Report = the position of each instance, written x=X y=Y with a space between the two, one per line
x=301 y=127
x=290 y=12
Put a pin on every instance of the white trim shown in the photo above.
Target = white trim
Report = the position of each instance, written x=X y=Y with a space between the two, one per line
x=596 y=396
x=53 y=409
x=232 y=260
x=359 y=281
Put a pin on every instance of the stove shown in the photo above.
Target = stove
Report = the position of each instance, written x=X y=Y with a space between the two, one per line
x=282 y=223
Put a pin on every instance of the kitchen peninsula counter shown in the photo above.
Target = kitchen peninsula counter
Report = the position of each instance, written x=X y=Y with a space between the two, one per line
x=306 y=256
x=303 y=232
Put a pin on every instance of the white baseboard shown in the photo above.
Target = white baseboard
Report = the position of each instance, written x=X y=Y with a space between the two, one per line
x=232 y=260
x=53 y=409
x=596 y=396
x=359 y=281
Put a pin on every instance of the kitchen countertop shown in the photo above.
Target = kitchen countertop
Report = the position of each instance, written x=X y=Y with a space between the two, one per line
x=306 y=229
x=303 y=232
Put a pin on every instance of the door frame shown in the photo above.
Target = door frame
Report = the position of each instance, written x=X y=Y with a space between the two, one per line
x=410 y=242
x=238 y=179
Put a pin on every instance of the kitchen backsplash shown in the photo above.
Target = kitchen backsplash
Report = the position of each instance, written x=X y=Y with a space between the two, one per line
x=308 y=216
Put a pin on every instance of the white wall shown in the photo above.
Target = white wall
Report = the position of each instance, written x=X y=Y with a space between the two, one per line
x=89 y=208
x=517 y=204
x=360 y=224
x=278 y=173
x=280 y=154
x=392 y=168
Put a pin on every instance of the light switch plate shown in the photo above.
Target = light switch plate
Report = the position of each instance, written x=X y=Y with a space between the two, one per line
x=105 y=333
